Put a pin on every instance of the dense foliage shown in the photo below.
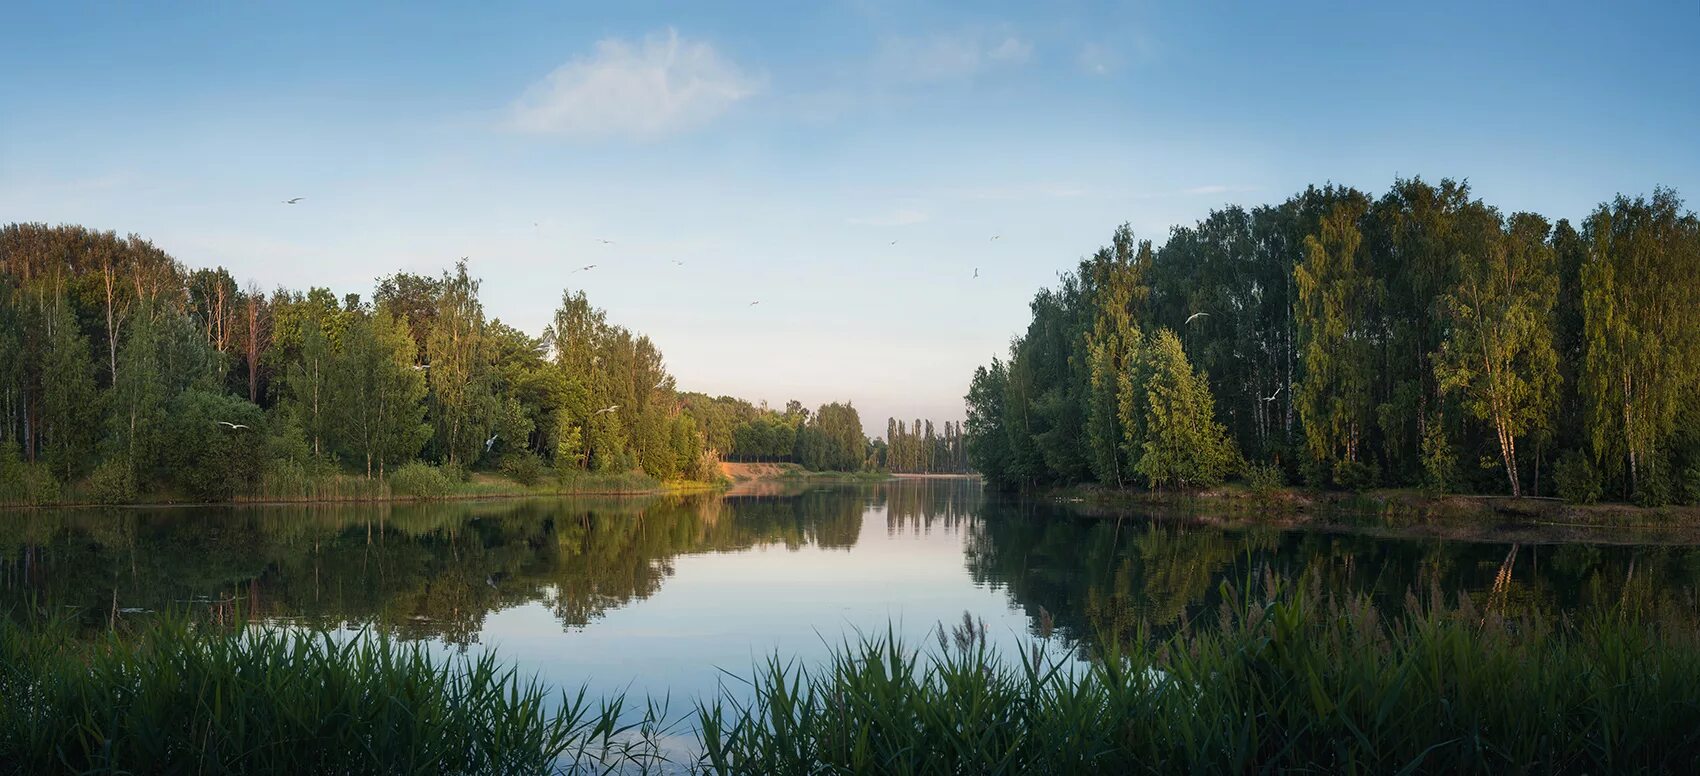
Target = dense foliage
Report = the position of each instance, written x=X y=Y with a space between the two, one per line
x=125 y=375
x=1422 y=338
x=828 y=438
x=917 y=449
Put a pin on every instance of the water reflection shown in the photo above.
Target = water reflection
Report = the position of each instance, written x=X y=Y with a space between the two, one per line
x=906 y=549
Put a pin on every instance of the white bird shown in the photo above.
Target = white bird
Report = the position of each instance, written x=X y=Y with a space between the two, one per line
x=585 y=268
x=996 y=236
x=1271 y=397
x=893 y=242
x=605 y=242
x=491 y=442
x=756 y=302
x=678 y=263
x=1195 y=315
x=609 y=408
x=976 y=272
x=293 y=201
x=233 y=426
x=662 y=383
x=417 y=367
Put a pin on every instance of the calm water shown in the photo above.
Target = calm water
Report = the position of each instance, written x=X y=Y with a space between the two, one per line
x=657 y=595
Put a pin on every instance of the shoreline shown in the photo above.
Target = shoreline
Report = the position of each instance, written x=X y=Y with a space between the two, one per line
x=1408 y=513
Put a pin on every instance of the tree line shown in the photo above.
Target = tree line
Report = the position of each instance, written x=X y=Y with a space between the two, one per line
x=1422 y=338
x=917 y=449
x=828 y=438
x=123 y=374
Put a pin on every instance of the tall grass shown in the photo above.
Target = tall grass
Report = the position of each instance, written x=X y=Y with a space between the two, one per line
x=172 y=697
x=1287 y=680
x=1302 y=682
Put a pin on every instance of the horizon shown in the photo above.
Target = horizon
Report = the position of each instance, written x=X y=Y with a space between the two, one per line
x=779 y=162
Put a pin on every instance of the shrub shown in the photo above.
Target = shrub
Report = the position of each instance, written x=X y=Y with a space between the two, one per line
x=524 y=468
x=1355 y=476
x=112 y=482
x=420 y=480
x=1264 y=479
x=1577 y=478
x=455 y=472
x=1691 y=484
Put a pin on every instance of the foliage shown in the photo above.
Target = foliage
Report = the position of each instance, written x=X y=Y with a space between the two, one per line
x=1184 y=444
x=421 y=480
x=171 y=697
x=1265 y=479
x=1365 y=340
x=216 y=445
x=1293 y=682
x=524 y=468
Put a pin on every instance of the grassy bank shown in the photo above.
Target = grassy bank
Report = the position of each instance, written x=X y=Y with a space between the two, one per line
x=1284 y=680
x=415 y=482
x=1293 y=505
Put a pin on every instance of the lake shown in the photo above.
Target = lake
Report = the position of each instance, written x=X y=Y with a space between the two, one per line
x=664 y=595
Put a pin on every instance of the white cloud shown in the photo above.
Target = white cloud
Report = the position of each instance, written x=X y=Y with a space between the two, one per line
x=662 y=85
x=950 y=56
x=1097 y=60
x=894 y=218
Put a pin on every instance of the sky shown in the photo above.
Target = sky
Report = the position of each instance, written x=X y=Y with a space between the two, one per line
x=845 y=164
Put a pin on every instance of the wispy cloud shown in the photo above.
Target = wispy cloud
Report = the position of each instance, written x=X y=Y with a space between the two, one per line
x=1218 y=188
x=661 y=85
x=1018 y=191
x=894 y=218
x=1097 y=60
x=950 y=56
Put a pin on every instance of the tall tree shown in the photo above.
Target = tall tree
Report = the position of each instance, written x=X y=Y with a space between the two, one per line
x=1498 y=316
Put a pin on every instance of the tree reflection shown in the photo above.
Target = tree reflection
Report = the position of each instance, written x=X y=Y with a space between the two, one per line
x=421 y=570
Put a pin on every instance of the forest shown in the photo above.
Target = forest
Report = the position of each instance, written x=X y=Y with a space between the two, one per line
x=1420 y=339
x=125 y=376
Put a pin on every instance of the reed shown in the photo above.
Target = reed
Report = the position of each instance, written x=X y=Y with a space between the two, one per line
x=1296 y=682
x=176 y=697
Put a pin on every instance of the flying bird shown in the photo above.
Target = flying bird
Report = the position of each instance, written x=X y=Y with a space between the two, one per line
x=1195 y=315
x=1271 y=397
x=232 y=426
x=585 y=268
x=605 y=242
x=293 y=201
x=491 y=442
x=609 y=408
x=996 y=236
x=417 y=367
x=756 y=302
x=678 y=263
x=893 y=242
x=976 y=272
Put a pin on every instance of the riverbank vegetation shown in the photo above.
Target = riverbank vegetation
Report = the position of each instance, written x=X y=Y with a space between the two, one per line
x=1286 y=679
x=1420 y=339
x=125 y=377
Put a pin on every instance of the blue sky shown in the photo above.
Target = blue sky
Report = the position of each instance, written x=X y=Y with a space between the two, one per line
x=777 y=150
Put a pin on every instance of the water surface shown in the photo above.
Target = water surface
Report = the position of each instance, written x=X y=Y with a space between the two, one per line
x=663 y=595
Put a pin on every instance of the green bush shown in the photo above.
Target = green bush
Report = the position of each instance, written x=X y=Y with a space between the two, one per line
x=1264 y=479
x=112 y=482
x=1577 y=478
x=524 y=468
x=1691 y=484
x=455 y=472
x=216 y=444
x=1355 y=476
x=420 y=480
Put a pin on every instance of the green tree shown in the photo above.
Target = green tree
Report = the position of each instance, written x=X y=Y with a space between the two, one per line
x=1498 y=316
x=69 y=411
x=1184 y=443
x=1334 y=292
